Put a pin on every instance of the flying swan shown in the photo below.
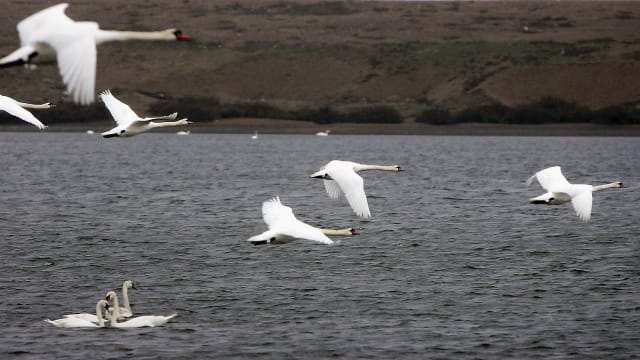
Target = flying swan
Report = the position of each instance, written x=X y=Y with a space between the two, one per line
x=18 y=110
x=560 y=191
x=51 y=31
x=129 y=123
x=284 y=227
x=340 y=177
x=78 y=322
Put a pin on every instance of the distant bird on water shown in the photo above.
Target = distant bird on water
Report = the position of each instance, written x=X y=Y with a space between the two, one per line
x=51 y=31
x=129 y=123
x=18 y=110
x=560 y=191
x=340 y=177
x=323 y=133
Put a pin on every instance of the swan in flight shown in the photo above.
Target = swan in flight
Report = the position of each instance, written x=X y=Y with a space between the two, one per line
x=51 y=31
x=79 y=322
x=284 y=227
x=560 y=191
x=129 y=123
x=139 y=321
x=18 y=110
x=340 y=177
x=323 y=133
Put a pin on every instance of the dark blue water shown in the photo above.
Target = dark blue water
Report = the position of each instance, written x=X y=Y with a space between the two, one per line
x=454 y=264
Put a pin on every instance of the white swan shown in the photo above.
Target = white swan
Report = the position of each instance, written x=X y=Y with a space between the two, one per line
x=123 y=312
x=323 y=133
x=79 y=322
x=74 y=43
x=284 y=227
x=255 y=135
x=129 y=123
x=18 y=110
x=560 y=191
x=137 y=322
x=120 y=312
x=340 y=177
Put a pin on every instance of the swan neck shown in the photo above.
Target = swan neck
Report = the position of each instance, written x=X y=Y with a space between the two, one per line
x=99 y=306
x=117 y=35
x=375 y=167
x=35 y=106
x=168 y=123
x=125 y=298
x=605 y=186
x=337 y=232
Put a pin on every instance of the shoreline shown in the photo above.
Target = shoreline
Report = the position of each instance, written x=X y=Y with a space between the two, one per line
x=271 y=126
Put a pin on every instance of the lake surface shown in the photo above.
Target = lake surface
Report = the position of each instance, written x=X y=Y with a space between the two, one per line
x=455 y=262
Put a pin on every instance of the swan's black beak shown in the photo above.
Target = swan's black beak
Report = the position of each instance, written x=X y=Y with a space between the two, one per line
x=399 y=168
x=354 y=232
x=107 y=306
x=621 y=185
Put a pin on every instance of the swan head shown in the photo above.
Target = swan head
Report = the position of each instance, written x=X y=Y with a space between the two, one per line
x=129 y=284
x=179 y=35
x=111 y=295
x=398 y=168
x=354 y=231
x=619 y=184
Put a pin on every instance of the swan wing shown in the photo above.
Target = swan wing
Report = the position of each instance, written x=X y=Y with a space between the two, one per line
x=274 y=213
x=12 y=107
x=71 y=322
x=46 y=21
x=76 y=54
x=582 y=203
x=121 y=112
x=145 y=321
x=333 y=189
x=84 y=316
x=550 y=178
x=300 y=230
x=352 y=186
x=164 y=117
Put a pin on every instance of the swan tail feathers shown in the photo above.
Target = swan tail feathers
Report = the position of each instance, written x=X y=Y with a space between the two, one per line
x=530 y=180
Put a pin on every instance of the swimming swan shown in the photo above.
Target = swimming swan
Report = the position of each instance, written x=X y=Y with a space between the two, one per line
x=340 y=177
x=137 y=322
x=123 y=312
x=129 y=123
x=18 y=110
x=560 y=191
x=323 y=133
x=74 y=43
x=120 y=312
x=284 y=227
x=78 y=322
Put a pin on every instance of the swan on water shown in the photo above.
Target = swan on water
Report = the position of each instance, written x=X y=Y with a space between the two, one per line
x=255 y=135
x=79 y=322
x=123 y=312
x=119 y=311
x=129 y=123
x=340 y=177
x=284 y=227
x=560 y=191
x=51 y=31
x=323 y=133
x=139 y=321
x=18 y=110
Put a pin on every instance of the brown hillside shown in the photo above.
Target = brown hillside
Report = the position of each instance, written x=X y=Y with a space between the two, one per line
x=412 y=55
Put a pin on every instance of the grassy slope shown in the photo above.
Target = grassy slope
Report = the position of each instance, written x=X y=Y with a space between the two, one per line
x=305 y=53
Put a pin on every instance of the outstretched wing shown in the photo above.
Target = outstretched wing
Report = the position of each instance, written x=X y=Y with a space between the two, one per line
x=333 y=189
x=582 y=205
x=45 y=21
x=273 y=212
x=11 y=106
x=301 y=230
x=280 y=218
x=120 y=111
x=550 y=178
x=352 y=186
